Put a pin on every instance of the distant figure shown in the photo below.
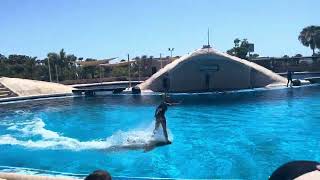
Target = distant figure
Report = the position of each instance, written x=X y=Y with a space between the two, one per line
x=289 y=77
x=99 y=175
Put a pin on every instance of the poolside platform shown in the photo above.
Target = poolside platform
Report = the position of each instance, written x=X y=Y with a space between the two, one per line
x=14 y=89
x=313 y=80
x=119 y=84
x=27 y=87
x=92 y=92
x=103 y=88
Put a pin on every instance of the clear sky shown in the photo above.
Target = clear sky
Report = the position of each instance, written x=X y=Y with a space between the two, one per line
x=113 y=28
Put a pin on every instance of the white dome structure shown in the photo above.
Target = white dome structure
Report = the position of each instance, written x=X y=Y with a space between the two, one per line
x=210 y=70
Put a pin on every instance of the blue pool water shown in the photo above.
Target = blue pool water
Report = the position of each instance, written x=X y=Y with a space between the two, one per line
x=242 y=135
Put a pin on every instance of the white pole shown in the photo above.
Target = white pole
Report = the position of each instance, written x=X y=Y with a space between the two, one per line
x=57 y=78
x=49 y=70
x=171 y=49
x=129 y=69
x=160 y=61
x=100 y=69
x=208 y=38
x=139 y=61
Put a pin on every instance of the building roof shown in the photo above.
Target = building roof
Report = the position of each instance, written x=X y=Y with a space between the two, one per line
x=126 y=63
x=180 y=71
x=282 y=58
x=95 y=63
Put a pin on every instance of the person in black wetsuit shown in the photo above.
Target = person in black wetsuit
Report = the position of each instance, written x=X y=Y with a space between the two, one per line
x=289 y=77
x=161 y=119
x=160 y=115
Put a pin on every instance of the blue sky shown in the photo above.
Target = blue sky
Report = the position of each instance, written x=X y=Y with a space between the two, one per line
x=113 y=28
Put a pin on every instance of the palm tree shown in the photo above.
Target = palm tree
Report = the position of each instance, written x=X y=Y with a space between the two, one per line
x=236 y=42
x=53 y=59
x=310 y=37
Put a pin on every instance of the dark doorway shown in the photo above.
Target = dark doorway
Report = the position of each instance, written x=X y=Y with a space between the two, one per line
x=153 y=70
x=166 y=83
x=207 y=81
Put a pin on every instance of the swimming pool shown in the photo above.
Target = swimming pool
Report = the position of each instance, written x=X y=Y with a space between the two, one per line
x=242 y=135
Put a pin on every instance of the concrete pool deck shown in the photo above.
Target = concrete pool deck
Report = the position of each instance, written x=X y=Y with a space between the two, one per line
x=31 y=89
x=27 y=87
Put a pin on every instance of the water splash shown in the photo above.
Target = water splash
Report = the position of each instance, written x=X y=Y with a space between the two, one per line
x=53 y=140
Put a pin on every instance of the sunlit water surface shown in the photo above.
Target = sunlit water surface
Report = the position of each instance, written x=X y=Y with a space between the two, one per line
x=242 y=135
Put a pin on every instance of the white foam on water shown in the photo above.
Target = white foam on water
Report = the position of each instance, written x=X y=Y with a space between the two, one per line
x=33 y=128
x=53 y=140
x=8 y=122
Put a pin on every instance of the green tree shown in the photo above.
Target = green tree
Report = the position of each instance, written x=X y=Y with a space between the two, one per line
x=20 y=66
x=255 y=55
x=3 y=65
x=90 y=71
x=119 y=71
x=63 y=65
x=53 y=59
x=310 y=37
x=241 y=49
x=236 y=42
